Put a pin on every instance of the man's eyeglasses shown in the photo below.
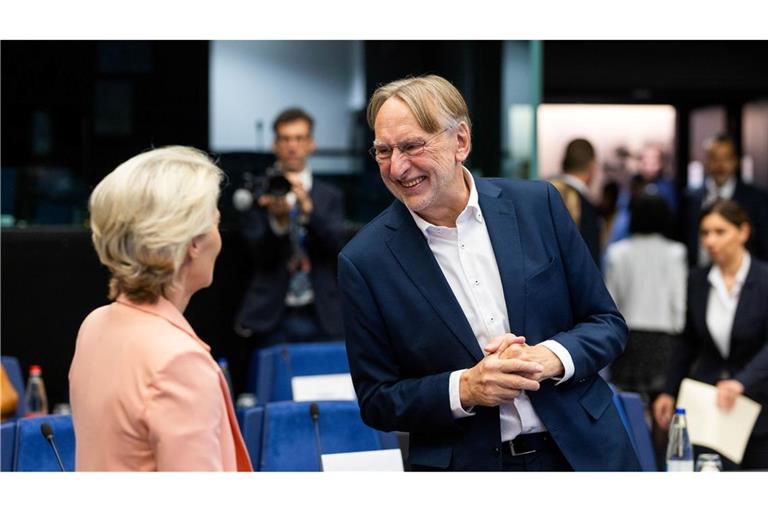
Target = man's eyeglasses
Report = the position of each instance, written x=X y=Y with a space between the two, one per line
x=414 y=147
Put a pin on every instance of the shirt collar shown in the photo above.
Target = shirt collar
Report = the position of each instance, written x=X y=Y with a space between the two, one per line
x=471 y=210
x=576 y=183
x=164 y=309
x=715 y=276
x=726 y=191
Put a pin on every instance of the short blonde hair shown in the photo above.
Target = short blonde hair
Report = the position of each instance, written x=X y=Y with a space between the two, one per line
x=432 y=99
x=145 y=213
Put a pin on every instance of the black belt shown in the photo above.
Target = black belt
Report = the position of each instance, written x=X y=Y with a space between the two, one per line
x=529 y=443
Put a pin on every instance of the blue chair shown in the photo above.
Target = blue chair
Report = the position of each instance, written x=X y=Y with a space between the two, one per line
x=289 y=435
x=251 y=426
x=33 y=453
x=632 y=414
x=273 y=368
x=7 y=444
x=13 y=370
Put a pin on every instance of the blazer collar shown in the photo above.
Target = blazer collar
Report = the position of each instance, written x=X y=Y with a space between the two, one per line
x=410 y=248
x=164 y=309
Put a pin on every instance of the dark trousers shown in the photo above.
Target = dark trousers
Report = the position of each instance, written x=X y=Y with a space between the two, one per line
x=549 y=458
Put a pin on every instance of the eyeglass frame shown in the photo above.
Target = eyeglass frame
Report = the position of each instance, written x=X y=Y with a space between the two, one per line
x=400 y=145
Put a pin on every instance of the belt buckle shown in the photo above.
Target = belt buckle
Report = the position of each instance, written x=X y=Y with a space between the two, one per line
x=514 y=453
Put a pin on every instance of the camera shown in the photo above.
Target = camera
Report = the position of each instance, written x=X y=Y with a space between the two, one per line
x=276 y=185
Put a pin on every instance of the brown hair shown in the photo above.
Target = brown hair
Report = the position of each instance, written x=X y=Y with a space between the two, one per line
x=290 y=115
x=727 y=209
x=578 y=155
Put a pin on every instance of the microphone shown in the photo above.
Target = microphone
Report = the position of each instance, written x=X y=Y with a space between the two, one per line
x=47 y=432
x=242 y=199
x=314 y=411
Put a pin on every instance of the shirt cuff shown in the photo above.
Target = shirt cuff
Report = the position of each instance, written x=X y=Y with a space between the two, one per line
x=455 y=395
x=276 y=228
x=565 y=357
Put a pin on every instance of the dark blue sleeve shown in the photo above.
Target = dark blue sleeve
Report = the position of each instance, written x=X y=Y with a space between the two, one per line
x=388 y=400
x=599 y=334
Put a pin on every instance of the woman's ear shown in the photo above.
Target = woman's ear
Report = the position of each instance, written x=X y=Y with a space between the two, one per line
x=744 y=231
x=194 y=247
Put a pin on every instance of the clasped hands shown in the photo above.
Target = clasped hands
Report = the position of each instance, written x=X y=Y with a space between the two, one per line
x=510 y=367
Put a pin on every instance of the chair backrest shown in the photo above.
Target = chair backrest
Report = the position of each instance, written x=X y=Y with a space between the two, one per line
x=289 y=435
x=277 y=365
x=33 y=453
x=252 y=427
x=7 y=444
x=13 y=370
x=632 y=413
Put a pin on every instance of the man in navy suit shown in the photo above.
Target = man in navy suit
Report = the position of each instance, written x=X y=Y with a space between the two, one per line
x=295 y=235
x=475 y=317
x=722 y=182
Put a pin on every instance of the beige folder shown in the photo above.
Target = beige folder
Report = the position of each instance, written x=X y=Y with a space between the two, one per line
x=708 y=425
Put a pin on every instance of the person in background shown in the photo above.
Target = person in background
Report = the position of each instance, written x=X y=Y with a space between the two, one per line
x=294 y=239
x=649 y=180
x=146 y=395
x=442 y=290
x=722 y=182
x=579 y=168
x=9 y=395
x=646 y=275
x=725 y=342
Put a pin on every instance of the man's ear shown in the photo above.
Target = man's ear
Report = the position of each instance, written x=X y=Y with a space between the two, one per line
x=464 y=142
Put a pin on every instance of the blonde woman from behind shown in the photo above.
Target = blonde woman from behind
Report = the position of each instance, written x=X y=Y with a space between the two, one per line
x=146 y=394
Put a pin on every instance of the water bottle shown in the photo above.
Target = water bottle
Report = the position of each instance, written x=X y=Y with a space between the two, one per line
x=224 y=365
x=36 y=399
x=679 y=449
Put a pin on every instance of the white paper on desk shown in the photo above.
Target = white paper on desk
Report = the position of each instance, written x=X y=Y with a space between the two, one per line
x=377 y=460
x=335 y=386
x=708 y=425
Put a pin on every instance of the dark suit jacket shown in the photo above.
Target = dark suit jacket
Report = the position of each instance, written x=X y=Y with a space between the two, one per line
x=406 y=332
x=752 y=199
x=264 y=302
x=747 y=362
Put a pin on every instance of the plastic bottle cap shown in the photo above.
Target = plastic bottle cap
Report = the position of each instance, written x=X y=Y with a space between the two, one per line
x=35 y=369
x=680 y=410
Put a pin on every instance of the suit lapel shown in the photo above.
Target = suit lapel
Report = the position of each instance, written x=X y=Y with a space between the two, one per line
x=750 y=294
x=411 y=250
x=503 y=229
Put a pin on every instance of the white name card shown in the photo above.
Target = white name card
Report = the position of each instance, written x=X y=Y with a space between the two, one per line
x=337 y=386
x=377 y=460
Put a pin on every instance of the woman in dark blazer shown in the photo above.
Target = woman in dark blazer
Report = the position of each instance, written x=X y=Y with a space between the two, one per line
x=726 y=335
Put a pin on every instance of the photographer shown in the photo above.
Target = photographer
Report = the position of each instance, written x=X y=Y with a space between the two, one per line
x=295 y=231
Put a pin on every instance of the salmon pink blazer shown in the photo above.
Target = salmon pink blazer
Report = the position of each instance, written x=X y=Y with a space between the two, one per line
x=146 y=395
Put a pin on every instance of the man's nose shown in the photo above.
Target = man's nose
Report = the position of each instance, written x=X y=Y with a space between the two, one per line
x=398 y=164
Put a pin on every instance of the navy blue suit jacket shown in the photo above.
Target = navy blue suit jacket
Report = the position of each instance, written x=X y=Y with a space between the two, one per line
x=406 y=332
x=747 y=361
x=264 y=301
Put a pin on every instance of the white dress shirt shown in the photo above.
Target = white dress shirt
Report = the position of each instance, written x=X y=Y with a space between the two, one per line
x=467 y=260
x=646 y=275
x=721 y=306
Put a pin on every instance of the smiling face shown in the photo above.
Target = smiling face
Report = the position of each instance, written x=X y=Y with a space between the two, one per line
x=432 y=182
